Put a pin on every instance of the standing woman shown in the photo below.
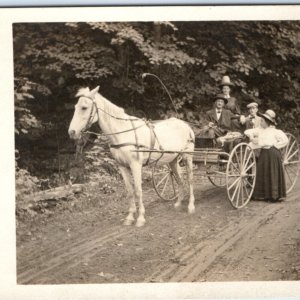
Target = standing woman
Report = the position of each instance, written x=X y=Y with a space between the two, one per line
x=270 y=182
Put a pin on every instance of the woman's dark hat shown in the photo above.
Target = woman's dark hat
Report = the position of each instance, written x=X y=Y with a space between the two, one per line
x=226 y=81
x=222 y=97
x=268 y=115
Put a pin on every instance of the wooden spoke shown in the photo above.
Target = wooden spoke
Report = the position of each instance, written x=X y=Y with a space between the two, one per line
x=235 y=167
x=291 y=162
x=249 y=167
x=163 y=190
x=245 y=186
x=166 y=176
x=232 y=185
x=252 y=186
x=291 y=169
x=237 y=159
x=288 y=174
x=290 y=148
x=218 y=178
x=287 y=146
x=245 y=155
x=239 y=193
x=297 y=150
x=247 y=161
x=172 y=179
x=240 y=189
x=164 y=182
x=236 y=189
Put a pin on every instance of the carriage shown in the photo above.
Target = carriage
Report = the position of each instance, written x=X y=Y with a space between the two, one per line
x=234 y=171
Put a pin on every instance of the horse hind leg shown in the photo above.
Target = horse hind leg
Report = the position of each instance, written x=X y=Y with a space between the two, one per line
x=189 y=171
x=174 y=165
x=136 y=170
x=125 y=172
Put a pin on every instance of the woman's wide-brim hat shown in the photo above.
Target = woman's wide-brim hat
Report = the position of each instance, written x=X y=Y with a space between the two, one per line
x=268 y=115
x=221 y=97
x=226 y=81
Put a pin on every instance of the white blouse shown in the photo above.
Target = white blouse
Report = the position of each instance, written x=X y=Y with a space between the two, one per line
x=266 y=138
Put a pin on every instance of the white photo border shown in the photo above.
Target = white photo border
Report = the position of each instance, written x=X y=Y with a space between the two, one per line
x=8 y=287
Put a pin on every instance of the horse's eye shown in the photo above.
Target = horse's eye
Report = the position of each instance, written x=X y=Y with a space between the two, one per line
x=84 y=108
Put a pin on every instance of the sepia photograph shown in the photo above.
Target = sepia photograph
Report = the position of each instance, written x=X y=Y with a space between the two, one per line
x=156 y=151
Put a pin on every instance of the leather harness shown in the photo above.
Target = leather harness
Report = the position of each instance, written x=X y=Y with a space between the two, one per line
x=149 y=124
x=153 y=139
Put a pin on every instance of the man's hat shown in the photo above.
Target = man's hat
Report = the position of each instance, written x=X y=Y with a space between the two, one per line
x=252 y=104
x=222 y=97
x=268 y=115
x=226 y=81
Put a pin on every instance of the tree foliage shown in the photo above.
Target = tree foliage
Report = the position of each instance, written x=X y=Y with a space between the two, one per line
x=53 y=60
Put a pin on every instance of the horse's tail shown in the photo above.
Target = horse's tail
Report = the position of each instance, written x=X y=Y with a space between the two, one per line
x=190 y=145
x=192 y=135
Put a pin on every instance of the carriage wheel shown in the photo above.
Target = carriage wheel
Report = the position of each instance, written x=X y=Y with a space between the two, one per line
x=218 y=179
x=240 y=175
x=164 y=182
x=291 y=162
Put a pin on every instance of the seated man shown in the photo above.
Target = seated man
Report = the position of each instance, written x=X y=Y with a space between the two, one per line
x=232 y=103
x=220 y=121
x=253 y=120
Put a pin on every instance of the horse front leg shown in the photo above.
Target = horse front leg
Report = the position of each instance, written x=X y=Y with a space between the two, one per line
x=136 y=170
x=174 y=165
x=125 y=172
x=189 y=171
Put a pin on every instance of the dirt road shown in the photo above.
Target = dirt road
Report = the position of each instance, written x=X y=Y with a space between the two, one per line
x=85 y=241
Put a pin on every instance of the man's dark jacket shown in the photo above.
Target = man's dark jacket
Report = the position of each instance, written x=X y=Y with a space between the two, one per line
x=224 y=123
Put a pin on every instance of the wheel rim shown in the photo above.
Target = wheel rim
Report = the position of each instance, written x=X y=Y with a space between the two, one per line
x=240 y=175
x=291 y=162
x=164 y=182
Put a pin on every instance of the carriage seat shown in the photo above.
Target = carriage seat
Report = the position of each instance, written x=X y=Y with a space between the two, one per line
x=204 y=143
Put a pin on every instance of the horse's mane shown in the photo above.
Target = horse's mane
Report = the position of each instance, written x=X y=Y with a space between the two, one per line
x=109 y=107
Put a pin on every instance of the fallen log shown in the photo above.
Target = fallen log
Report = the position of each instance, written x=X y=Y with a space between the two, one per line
x=54 y=194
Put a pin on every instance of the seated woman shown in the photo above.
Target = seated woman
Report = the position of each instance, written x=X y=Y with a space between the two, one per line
x=270 y=181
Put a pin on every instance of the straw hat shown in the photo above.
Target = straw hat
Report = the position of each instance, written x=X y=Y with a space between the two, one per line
x=222 y=97
x=226 y=81
x=252 y=104
x=269 y=115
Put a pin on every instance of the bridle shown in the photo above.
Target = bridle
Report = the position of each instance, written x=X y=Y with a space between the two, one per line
x=93 y=114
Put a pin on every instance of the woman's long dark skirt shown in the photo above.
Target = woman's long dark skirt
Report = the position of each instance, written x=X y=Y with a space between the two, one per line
x=270 y=181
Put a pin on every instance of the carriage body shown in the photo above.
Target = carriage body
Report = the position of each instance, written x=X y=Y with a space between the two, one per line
x=232 y=168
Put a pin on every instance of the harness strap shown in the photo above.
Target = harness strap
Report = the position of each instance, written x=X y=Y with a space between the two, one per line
x=117 y=146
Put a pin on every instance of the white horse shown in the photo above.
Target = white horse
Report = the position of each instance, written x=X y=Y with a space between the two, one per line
x=127 y=134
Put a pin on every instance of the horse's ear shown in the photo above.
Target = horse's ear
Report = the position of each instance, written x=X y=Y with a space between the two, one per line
x=94 y=91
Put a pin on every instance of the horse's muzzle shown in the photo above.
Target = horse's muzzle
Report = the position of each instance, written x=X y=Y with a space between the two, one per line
x=72 y=134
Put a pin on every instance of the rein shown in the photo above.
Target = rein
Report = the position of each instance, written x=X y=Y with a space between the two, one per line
x=115 y=133
x=91 y=117
x=117 y=146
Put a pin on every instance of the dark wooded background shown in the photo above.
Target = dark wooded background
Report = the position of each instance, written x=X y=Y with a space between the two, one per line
x=51 y=61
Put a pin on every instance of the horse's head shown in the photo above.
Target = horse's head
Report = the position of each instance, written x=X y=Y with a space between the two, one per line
x=85 y=113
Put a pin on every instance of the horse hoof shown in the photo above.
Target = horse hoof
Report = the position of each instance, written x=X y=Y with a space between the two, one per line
x=128 y=222
x=140 y=223
x=191 y=210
